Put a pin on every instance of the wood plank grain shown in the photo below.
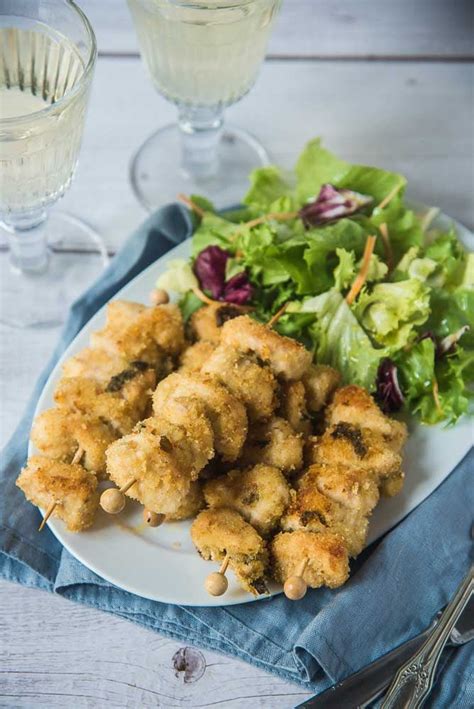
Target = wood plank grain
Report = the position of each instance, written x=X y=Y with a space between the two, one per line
x=340 y=28
x=57 y=654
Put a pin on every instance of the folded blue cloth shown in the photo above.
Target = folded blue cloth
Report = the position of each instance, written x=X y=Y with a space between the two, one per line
x=396 y=588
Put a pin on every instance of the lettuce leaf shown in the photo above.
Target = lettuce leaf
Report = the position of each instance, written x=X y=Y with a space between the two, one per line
x=392 y=311
x=178 y=277
x=418 y=369
x=340 y=341
x=268 y=186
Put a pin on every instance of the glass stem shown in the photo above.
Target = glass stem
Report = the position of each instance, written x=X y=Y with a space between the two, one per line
x=27 y=242
x=201 y=130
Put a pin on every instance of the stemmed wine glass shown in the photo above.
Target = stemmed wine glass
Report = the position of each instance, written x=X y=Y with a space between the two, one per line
x=47 y=56
x=202 y=55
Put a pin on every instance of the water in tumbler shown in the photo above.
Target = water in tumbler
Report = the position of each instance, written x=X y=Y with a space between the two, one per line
x=203 y=53
x=38 y=151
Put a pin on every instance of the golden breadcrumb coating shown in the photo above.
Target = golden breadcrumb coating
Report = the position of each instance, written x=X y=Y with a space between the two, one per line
x=77 y=394
x=286 y=357
x=352 y=487
x=217 y=532
x=191 y=414
x=275 y=443
x=161 y=483
x=314 y=512
x=392 y=485
x=293 y=407
x=192 y=453
x=325 y=554
x=354 y=405
x=193 y=357
x=252 y=383
x=73 y=488
x=192 y=503
x=94 y=364
x=206 y=323
x=356 y=448
x=142 y=333
x=260 y=494
x=225 y=412
x=58 y=434
x=320 y=382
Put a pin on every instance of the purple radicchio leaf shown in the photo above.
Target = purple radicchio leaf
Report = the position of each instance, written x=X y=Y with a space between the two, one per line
x=332 y=203
x=209 y=267
x=238 y=289
x=388 y=393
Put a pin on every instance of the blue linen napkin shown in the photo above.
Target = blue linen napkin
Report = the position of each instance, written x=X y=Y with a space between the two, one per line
x=396 y=588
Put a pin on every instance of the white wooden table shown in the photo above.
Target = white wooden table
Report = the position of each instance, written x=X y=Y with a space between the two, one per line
x=384 y=83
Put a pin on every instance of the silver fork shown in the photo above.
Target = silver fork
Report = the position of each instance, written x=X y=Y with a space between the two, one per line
x=414 y=679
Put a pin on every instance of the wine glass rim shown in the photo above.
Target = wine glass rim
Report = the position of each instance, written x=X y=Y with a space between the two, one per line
x=64 y=100
x=204 y=5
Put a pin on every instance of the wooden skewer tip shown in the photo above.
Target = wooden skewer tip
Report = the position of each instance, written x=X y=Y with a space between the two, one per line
x=77 y=456
x=112 y=501
x=295 y=587
x=48 y=514
x=158 y=296
x=216 y=584
x=153 y=519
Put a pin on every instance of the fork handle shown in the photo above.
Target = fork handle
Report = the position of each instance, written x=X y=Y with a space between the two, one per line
x=414 y=680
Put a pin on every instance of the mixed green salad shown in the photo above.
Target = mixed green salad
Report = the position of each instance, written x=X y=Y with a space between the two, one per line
x=369 y=286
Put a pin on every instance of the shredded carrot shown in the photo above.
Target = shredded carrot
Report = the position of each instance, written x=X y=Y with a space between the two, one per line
x=388 y=198
x=383 y=228
x=363 y=271
x=274 y=319
x=277 y=216
x=192 y=205
x=203 y=297
x=436 y=396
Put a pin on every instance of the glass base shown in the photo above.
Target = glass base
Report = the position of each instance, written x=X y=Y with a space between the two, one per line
x=76 y=258
x=157 y=177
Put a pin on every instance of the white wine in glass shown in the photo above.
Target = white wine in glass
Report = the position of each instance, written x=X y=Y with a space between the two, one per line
x=47 y=56
x=202 y=55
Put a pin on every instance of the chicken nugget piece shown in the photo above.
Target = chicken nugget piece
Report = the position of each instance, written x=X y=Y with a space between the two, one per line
x=58 y=434
x=86 y=396
x=275 y=443
x=293 y=407
x=260 y=494
x=354 y=447
x=142 y=335
x=191 y=504
x=206 y=323
x=287 y=358
x=351 y=487
x=94 y=364
x=193 y=357
x=191 y=454
x=225 y=412
x=218 y=532
x=190 y=413
x=320 y=382
x=251 y=382
x=354 y=405
x=71 y=487
x=136 y=383
x=161 y=483
x=391 y=486
x=325 y=554
x=314 y=512
x=121 y=313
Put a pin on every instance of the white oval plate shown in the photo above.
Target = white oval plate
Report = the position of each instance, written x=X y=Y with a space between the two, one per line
x=161 y=564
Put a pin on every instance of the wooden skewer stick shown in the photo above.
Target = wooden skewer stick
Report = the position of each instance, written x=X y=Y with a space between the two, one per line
x=48 y=514
x=77 y=456
x=295 y=587
x=112 y=500
x=216 y=583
